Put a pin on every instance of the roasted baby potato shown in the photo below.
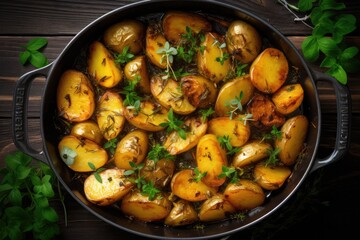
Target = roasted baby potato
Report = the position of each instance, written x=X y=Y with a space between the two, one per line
x=243 y=41
x=210 y=158
x=75 y=96
x=174 y=144
x=174 y=24
x=133 y=147
x=149 y=117
x=155 y=41
x=245 y=194
x=136 y=70
x=271 y=177
x=112 y=188
x=236 y=130
x=102 y=67
x=139 y=206
x=215 y=208
x=87 y=129
x=213 y=62
x=182 y=213
x=81 y=155
x=288 y=98
x=200 y=91
x=127 y=33
x=110 y=114
x=185 y=186
x=168 y=93
x=251 y=153
x=269 y=70
x=232 y=90
x=293 y=134
x=159 y=172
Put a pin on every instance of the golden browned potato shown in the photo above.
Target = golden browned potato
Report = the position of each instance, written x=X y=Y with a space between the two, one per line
x=245 y=194
x=81 y=155
x=288 y=98
x=269 y=70
x=196 y=128
x=75 y=96
x=210 y=158
x=271 y=177
x=200 y=91
x=149 y=117
x=174 y=24
x=155 y=41
x=213 y=62
x=110 y=114
x=231 y=90
x=264 y=112
x=160 y=173
x=182 y=213
x=243 y=41
x=250 y=153
x=168 y=93
x=136 y=70
x=129 y=32
x=102 y=67
x=184 y=185
x=112 y=188
x=87 y=129
x=215 y=208
x=140 y=207
x=293 y=134
x=133 y=147
x=236 y=130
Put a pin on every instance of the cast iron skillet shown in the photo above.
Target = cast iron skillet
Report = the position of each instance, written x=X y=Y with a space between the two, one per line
x=311 y=108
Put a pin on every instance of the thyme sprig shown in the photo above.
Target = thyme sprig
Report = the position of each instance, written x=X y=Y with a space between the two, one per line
x=174 y=124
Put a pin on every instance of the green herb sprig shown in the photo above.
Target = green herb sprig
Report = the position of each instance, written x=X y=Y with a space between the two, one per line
x=174 y=124
x=26 y=190
x=225 y=144
x=230 y=173
x=132 y=99
x=273 y=156
x=125 y=56
x=159 y=152
x=235 y=105
x=198 y=175
x=32 y=53
x=96 y=171
x=168 y=54
x=189 y=45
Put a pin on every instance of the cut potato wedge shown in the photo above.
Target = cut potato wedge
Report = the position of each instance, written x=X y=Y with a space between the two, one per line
x=271 y=177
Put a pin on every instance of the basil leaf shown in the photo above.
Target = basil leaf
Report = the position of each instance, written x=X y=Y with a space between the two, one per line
x=36 y=43
x=331 y=5
x=24 y=56
x=305 y=5
x=38 y=59
x=338 y=72
x=310 y=48
x=349 y=53
x=328 y=46
x=328 y=62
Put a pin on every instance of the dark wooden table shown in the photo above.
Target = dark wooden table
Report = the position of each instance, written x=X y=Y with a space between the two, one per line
x=326 y=204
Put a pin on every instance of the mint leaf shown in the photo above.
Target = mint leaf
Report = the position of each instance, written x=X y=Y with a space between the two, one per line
x=305 y=5
x=32 y=54
x=328 y=46
x=24 y=56
x=38 y=60
x=338 y=72
x=310 y=48
x=36 y=43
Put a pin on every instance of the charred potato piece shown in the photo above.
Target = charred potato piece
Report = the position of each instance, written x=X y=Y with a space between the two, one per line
x=288 y=98
x=110 y=114
x=160 y=173
x=251 y=153
x=80 y=155
x=149 y=117
x=269 y=70
x=231 y=90
x=87 y=129
x=133 y=147
x=236 y=130
x=102 y=67
x=213 y=62
x=136 y=70
x=210 y=158
x=215 y=208
x=174 y=24
x=271 y=177
x=200 y=91
x=174 y=144
x=264 y=112
x=243 y=41
x=155 y=41
x=140 y=207
x=182 y=213
x=245 y=194
x=127 y=33
x=112 y=188
x=168 y=93
x=184 y=185
x=75 y=96
x=293 y=134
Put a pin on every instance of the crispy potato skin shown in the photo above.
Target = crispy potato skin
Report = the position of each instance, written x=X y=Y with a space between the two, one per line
x=155 y=40
x=87 y=129
x=250 y=153
x=271 y=177
x=182 y=213
x=215 y=208
x=288 y=98
x=200 y=91
x=137 y=69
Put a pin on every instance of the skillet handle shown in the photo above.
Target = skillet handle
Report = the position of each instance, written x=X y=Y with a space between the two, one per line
x=19 y=113
x=343 y=107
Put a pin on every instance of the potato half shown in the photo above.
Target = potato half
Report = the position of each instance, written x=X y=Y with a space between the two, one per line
x=252 y=152
x=271 y=177
x=215 y=208
x=87 y=129
x=182 y=213
x=288 y=98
